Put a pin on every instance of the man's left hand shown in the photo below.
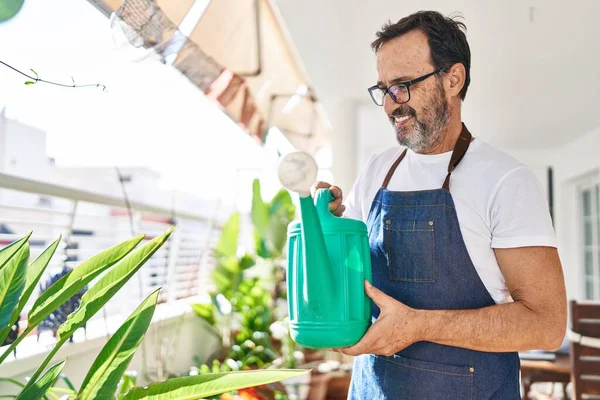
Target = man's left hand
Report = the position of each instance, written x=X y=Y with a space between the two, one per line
x=398 y=326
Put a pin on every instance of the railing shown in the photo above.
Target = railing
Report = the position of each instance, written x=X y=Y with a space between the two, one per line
x=91 y=222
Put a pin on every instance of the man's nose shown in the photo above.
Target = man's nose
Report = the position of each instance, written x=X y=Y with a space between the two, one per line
x=389 y=105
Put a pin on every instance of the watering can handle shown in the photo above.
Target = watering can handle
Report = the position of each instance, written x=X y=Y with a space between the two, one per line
x=323 y=198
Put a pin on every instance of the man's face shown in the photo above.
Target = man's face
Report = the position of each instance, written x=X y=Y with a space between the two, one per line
x=420 y=122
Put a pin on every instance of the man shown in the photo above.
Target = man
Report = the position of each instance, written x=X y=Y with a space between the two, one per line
x=465 y=267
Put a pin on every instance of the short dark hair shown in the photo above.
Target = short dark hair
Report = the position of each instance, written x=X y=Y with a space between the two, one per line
x=447 y=40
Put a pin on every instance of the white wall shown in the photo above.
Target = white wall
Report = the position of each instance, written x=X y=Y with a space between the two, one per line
x=571 y=162
x=344 y=142
x=375 y=132
x=23 y=150
x=574 y=161
x=22 y=153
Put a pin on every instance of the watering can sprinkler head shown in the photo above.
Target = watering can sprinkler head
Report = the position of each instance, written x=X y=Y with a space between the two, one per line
x=298 y=172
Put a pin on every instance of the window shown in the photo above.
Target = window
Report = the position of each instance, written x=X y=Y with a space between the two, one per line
x=589 y=197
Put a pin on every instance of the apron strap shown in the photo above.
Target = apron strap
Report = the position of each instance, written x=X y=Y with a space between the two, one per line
x=460 y=149
x=393 y=169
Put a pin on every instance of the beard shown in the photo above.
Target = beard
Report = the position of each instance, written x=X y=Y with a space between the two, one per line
x=427 y=127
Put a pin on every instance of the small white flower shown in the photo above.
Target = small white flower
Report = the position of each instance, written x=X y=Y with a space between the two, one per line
x=224 y=304
x=278 y=330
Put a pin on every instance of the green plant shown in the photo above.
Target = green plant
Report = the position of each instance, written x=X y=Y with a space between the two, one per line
x=239 y=300
x=270 y=220
x=242 y=308
x=118 y=264
x=228 y=275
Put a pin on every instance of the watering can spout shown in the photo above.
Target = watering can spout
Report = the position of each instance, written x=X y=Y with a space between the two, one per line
x=319 y=270
x=297 y=172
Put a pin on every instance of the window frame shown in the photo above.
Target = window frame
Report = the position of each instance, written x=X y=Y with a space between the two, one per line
x=591 y=184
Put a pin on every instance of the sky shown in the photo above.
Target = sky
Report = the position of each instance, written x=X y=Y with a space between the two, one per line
x=150 y=115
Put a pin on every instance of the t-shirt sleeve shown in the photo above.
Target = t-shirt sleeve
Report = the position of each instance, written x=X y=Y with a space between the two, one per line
x=519 y=213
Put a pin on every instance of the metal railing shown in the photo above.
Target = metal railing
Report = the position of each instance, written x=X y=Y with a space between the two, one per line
x=91 y=222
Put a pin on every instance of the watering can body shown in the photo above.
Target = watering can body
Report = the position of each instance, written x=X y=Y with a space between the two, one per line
x=328 y=262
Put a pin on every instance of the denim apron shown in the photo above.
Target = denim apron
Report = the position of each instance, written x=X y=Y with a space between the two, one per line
x=420 y=259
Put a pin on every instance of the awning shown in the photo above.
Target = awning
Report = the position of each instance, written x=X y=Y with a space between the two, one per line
x=239 y=54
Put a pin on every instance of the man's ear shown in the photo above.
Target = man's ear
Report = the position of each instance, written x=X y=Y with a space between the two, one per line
x=456 y=77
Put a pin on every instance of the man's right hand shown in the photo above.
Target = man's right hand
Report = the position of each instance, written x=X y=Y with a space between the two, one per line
x=335 y=206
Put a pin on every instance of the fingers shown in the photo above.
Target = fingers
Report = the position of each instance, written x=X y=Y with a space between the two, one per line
x=364 y=346
x=319 y=185
x=336 y=192
x=376 y=295
x=335 y=206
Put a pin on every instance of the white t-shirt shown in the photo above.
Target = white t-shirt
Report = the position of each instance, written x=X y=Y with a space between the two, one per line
x=498 y=200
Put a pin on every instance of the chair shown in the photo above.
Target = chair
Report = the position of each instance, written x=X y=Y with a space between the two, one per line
x=585 y=350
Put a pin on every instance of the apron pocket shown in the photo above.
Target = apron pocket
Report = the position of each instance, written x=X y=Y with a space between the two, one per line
x=415 y=379
x=410 y=246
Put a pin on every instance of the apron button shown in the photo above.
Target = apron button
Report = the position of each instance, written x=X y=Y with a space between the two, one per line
x=471 y=370
x=430 y=223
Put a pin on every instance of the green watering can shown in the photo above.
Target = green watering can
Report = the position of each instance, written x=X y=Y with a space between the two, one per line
x=328 y=261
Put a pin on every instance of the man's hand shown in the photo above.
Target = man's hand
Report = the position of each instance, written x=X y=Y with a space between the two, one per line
x=397 y=327
x=335 y=206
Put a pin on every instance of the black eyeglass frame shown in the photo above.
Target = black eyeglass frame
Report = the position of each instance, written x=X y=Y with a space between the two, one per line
x=407 y=84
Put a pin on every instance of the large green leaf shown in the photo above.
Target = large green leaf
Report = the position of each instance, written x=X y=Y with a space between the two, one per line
x=282 y=200
x=7 y=252
x=105 y=373
x=201 y=386
x=260 y=210
x=77 y=279
x=260 y=219
x=38 y=389
x=34 y=273
x=99 y=294
x=271 y=221
x=128 y=383
x=206 y=312
x=281 y=211
x=247 y=261
x=227 y=244
x=230 y=265
x=275 y=235
x=261 y=245
x=12 y=283
x=222 y=280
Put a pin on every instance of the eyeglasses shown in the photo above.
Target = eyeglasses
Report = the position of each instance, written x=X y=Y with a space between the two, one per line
x=399 y=92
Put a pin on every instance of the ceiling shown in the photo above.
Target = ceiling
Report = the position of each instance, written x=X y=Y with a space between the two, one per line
x=535 y=79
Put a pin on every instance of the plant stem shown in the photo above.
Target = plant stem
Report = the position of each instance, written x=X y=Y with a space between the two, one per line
x=54 y=396
x=44 y=363
x=15 y=343
x=37 y=79
x=14 y=381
